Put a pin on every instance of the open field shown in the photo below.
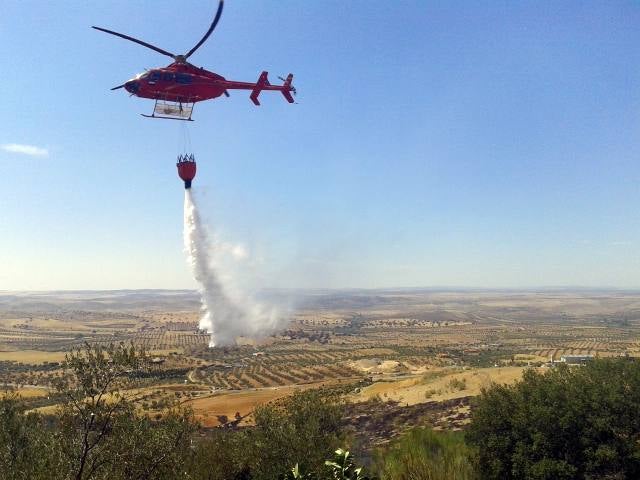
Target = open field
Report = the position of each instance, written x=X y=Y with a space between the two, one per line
x=403 y=346
x=439 y=385
x=27 y=392
x=213 y=410
x=31 y=357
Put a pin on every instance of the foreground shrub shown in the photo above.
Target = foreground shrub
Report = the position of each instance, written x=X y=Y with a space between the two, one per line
x=223 y=455
x=96 y=433
x=303 y=430
x=26 y=450
x=568 y=423
x=423 y=454
x=342 y=467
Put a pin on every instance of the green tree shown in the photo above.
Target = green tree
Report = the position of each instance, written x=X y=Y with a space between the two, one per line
x=303 y=429
x=27 y=450
x=100 y=435
x=569 y=423
x=221 y=456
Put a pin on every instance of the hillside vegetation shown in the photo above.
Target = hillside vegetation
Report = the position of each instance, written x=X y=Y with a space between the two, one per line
x=566 y=423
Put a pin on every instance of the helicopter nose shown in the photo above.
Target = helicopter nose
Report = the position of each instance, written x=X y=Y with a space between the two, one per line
x=132 y=86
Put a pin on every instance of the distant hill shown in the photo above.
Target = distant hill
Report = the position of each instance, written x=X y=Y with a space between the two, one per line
x=91 y=300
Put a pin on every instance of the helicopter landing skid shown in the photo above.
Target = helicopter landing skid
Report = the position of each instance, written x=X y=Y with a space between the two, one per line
x=171 y=111
x=160 y=117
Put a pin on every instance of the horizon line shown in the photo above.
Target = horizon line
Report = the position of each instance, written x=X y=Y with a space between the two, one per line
x=451 y=288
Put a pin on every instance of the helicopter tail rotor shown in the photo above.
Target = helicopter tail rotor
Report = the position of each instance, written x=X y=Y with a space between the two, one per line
x=287 y=88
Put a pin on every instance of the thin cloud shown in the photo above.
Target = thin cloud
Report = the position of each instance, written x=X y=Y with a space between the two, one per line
x=30 y=150
x=620 y=243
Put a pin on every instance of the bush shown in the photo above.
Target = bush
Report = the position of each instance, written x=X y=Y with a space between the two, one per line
x=569 y=423
x=423 y=454
x=222 y=456
x=458 y=384
x=26 y=450
x=96 y=433
x=303 y=429
x=341 y=467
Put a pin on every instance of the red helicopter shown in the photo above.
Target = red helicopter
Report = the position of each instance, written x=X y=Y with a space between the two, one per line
x=177 y=87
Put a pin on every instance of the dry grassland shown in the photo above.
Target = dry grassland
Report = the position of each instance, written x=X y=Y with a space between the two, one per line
x=439 y=385
x=208 y=409
x=26 y=392
x=31 y=357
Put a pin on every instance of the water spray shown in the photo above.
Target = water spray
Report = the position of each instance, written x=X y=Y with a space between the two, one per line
x=226 y=313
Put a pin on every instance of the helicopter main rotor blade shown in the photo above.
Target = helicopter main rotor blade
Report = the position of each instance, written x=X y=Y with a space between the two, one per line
x=135 y=40
x=211 y=28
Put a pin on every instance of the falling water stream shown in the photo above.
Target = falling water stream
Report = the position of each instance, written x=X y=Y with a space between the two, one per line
x=224 y=316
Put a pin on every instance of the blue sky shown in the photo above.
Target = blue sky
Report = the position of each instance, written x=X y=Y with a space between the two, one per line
x=487 y=144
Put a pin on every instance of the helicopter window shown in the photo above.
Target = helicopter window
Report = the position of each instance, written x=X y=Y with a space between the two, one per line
x=168 y=77
x=183 y=78
x=154 y=77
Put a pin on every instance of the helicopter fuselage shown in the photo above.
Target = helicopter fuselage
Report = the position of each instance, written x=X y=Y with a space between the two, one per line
x=178 y=82
x=182 y=82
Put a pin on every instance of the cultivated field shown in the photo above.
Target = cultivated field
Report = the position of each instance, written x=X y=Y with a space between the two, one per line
x=404 y=346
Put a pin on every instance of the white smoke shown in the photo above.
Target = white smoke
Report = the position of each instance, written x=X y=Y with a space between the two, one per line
x=228 y=312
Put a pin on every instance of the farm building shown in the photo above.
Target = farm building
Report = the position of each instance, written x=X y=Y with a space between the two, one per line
x=576 y=359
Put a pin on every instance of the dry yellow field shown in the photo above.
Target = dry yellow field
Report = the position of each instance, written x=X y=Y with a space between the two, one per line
x=164 y=352
x=207 y=409
x=27 y=392
x=438 y=386
x=34 y=357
